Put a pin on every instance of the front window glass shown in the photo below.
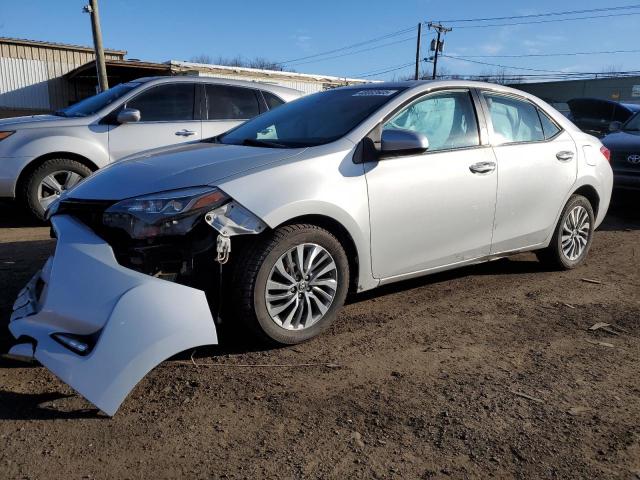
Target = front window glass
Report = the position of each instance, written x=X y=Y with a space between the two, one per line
x=312 y=120
x=165 y=103
x=513 y=120
x=94 y=104
x=447 y=119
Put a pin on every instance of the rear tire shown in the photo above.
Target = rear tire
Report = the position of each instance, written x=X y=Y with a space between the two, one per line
x=572 y=237
x=314 y=296
x=48 y=180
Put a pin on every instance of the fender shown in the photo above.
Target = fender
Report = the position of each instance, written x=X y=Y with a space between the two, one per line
x=339 y=192
x=91 y=142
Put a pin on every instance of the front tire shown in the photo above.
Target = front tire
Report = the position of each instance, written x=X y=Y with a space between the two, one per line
x=289 y=286
x=572 y=237
x=49 y=180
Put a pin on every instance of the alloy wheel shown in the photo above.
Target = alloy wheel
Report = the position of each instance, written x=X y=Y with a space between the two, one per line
x=301 y=286
x=575 y=232
x=54 y=184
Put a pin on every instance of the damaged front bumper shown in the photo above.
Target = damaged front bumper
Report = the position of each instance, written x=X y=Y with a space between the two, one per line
x=101 y=327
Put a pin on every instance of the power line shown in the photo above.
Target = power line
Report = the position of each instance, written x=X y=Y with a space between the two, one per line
x=546 y=21
x=348 y=47
x=373 y=73
x=464 y=59
x=548 y=14
x=524 y=55
x=354 y=52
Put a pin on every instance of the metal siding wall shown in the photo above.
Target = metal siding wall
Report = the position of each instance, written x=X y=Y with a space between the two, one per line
x=23 y=84
x=31 y=75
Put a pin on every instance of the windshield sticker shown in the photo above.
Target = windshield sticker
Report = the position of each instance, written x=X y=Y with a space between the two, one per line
x=374 y=93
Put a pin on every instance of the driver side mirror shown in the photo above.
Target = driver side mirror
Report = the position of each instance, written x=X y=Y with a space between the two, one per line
x=128 y=115
x=403 y=142
x=615 y=126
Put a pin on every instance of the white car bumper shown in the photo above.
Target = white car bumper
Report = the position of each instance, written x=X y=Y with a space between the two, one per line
x=130 y=322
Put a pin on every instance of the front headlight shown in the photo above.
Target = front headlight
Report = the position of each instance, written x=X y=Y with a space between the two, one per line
x=165 y=213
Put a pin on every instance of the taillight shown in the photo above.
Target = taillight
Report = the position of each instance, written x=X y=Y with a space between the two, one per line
x=607 y=154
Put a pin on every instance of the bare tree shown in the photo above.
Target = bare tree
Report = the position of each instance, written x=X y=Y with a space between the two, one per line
x=610 y=71
x=239 y=61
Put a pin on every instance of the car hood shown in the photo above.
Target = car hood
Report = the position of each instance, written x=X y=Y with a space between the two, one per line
x=40 y=121
x=175 y=167
x=623 y=140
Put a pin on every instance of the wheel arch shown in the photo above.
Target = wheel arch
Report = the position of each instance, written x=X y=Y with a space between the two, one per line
x=344 y=237
x=36 y=162
x=591 y=194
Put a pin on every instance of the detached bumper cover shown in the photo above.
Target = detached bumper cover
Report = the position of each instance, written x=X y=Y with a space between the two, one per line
x=137 y=321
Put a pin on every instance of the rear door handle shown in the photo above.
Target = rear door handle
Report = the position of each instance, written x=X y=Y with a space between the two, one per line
x=564 y=156
x=483 y=167
x=185 y=133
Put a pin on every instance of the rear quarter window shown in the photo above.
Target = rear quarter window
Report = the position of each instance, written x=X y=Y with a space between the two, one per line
x=272 y=100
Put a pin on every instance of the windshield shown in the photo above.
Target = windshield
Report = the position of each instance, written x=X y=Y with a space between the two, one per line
x=312 y=120
x=91 y=105
x=633 y=124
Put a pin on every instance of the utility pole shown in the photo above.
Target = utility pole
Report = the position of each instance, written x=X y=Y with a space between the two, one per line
x=92 y=9
x=437 y=45
x=417 y=74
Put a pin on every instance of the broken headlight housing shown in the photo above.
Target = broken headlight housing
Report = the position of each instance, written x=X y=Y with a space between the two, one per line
x=173 y=212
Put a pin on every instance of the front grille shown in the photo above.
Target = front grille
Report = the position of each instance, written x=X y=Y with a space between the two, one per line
x=153 y=256
x=620 y=159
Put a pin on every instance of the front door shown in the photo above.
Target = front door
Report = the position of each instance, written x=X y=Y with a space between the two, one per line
x=433 y=209
x=168 y=117
x=537 y=166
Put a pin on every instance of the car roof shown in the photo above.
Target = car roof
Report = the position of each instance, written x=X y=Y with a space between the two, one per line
x=431 y=84
x=269 y=87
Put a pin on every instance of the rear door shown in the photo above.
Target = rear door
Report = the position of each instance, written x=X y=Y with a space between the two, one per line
x=228 y=106
x=537 y=166
x=167 y=117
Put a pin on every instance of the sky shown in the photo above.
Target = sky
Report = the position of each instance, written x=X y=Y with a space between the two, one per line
x=285 y=30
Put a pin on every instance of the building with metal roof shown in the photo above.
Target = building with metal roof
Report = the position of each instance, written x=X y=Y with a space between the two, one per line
x=40 y=77
x=31 y=74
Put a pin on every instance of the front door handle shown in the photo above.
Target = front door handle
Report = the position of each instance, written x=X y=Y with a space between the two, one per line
x=185 y=133
x=483 y=167
x=565 y=155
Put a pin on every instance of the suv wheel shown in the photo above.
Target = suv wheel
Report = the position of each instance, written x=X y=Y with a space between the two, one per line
x=290 y=285
x=49 y=180
x=573 y=235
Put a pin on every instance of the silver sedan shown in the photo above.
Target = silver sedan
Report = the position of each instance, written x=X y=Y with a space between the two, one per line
x=269 y=226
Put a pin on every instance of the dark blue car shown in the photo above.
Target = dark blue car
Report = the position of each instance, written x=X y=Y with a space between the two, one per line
x=624 y=144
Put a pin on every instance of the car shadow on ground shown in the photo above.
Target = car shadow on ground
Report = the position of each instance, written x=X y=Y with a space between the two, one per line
x=34 y=406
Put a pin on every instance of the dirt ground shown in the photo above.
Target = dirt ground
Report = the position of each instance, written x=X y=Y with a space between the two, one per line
x=489 y=371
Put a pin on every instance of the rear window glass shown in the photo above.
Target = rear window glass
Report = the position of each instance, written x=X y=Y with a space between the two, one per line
x=514 y=121
x=231 y=103
x=165 y=103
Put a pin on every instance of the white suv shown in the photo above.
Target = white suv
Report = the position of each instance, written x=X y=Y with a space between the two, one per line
x=43 y=155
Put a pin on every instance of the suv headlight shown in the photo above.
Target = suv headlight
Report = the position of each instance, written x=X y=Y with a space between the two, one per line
x=6 y=133
x=174 y=212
